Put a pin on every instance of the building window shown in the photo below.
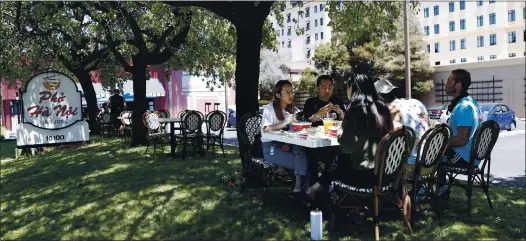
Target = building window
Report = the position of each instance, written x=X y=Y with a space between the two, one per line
x=524 y=13
x=308 y=53
x=426 y=30
x=315 y=9
x=307 y=28
x=316 y=36
x=480 y=41
x=462 y=24
x=282 y=8
x=511 y=16
x=463 y=43
x=511 y=55
x=480 y=21
x=462 y=5
x=321 y=21
x=428 y=48
x=480 y=58
x=511 y=37
x=289 y=31
x=479 y=3
x=315 y=22
x=524 y=35
x=437 y=28
x=437 y=47
x=452 y=46
x=307 y=12
x=493 y=57
x=451 y=7
x=491 y=1
x=437 y=63
x=321 y=35
x=282 y=32
x=451 y=26
x=452 y=61
x=288 y=17
x=492 y=19
x=492 y=39
x=289 y=44
x=283 y=44
x=426 y=12
x=463 y=60
x=436 y=10
x=321 y=7
x=308 y=39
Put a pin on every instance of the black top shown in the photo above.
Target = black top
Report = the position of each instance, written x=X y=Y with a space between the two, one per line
x=116 y=104
x=314 y=104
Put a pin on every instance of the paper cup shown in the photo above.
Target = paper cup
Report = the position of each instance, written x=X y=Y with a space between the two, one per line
x=333 y=130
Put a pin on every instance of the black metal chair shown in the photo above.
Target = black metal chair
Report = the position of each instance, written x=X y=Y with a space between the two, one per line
x=127 y=130
x=257 y=173
x=155 y=132
x=484 y=140
x=215 y=125
x=191 y=131
x=391 y=156
x=106 y=126
x=430 y=148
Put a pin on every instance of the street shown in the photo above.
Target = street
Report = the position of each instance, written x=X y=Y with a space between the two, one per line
x=508 y=157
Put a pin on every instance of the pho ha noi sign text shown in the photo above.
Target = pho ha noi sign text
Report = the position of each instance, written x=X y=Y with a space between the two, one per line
x=52 y=112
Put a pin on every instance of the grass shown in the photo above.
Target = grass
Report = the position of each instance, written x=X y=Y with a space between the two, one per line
x=100 y=191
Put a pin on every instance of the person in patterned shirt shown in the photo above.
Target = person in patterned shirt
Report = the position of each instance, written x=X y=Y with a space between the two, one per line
x=407 y=112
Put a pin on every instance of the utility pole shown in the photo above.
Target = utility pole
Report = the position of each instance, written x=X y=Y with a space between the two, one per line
x=407 y=55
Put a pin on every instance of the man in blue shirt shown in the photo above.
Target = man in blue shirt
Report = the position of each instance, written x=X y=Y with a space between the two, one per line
x=464 y=120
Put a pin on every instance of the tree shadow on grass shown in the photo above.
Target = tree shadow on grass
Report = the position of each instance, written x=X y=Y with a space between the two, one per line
x=100 y=191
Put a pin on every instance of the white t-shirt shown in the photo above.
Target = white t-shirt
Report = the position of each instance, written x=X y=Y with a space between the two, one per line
x=269 y=118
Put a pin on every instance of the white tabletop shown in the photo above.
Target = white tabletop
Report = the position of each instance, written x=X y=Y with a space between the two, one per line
x=294 y=138
x=166 y=120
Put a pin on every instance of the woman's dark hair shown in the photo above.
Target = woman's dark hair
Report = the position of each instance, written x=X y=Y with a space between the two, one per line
x=370 y=115
x=276 y=103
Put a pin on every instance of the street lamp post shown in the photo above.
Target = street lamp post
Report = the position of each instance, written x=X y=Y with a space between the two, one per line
x=407 y=55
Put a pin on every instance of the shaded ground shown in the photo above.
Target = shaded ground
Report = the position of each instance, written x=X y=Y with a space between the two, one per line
x=100 y=191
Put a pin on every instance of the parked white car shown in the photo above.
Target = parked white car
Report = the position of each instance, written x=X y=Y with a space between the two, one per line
x=438 y=113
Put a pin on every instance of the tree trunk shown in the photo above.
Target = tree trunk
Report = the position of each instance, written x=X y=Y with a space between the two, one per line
x=139 y=101
x=91 y=99
x=247 y=75
x=247 y=68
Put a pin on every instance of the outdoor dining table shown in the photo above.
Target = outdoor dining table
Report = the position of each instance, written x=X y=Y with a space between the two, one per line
x=305 y=140
x=172 y=122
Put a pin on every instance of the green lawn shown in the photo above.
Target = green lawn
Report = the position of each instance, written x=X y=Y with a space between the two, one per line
x=99 y=191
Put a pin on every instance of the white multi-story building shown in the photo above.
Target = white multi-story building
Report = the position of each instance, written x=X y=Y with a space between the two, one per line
x=471 y=31
x=301 y=48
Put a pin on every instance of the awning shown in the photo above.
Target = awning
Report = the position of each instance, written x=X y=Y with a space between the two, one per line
x=99 y=91
x=154 y=88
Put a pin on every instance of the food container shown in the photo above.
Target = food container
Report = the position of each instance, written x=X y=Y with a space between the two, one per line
x=298 y=126
x=333 y=131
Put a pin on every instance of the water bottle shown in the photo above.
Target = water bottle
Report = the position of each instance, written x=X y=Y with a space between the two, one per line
x=316 y=221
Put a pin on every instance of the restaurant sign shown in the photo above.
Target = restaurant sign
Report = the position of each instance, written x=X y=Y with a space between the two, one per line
x=52 y=112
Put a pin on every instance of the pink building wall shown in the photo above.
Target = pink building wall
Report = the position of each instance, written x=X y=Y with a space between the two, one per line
x=160 y=103
x=178 y=101
x=8 y=93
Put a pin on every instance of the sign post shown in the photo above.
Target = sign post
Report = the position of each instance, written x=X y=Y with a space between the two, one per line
x=51 y=112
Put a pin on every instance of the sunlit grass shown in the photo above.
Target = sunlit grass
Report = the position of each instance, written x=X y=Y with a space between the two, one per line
x=105 y=191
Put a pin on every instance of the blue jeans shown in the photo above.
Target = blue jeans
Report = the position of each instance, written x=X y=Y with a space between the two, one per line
x=294 y=160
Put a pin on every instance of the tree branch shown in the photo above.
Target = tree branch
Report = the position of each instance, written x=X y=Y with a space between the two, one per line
x=159 y=42
x=176 y=41
x=222 y=9
x=137 y=33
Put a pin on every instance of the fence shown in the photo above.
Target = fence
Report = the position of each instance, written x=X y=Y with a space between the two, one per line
x=482 y=91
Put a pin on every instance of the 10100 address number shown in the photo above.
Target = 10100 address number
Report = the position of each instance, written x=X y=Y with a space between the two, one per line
x=55 y=138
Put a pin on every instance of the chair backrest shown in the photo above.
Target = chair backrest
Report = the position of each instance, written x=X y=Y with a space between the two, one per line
x=391 y=155
x=105 y=118
x=432 y=146
x=150 y=124
x=215 y=121
x=126 y=118
x=250 y=128
x=192 y=121
x=412 y=137
x=484 y=140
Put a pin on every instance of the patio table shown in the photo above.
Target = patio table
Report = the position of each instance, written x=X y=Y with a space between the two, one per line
x=172 y=122
x=295 y=138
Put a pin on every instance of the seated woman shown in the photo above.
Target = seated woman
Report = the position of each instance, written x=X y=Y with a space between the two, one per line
x=276 y=116
x=366 y=121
